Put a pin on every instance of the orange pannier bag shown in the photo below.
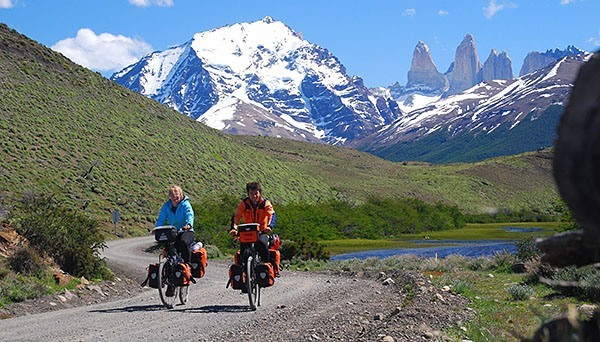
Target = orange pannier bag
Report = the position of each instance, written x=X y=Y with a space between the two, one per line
x=275 y=259
x=265 y=276
x=182 y=274
x=237 y=277
x=198 y=261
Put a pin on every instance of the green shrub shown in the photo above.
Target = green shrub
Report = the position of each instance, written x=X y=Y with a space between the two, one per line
x=26 y=261
x=502 y=262
x=527 y=249
x=303 y=249
x=580 y=282
x=17 y=288
x=70 y=237
x=461 y=287
x=519 y=292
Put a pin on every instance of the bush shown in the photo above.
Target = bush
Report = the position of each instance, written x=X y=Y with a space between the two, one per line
x=502 y=262
x=519 y=292
x=71 y=238
x=461 y=287
x=580 y=282
x=17 y=288
x=303 y=249
x=527 y=249
x=27 y=262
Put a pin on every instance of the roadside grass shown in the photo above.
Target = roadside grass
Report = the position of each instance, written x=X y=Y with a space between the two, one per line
x=500 y=314
x=15 y=287
x=472 y=231
x=501 y=317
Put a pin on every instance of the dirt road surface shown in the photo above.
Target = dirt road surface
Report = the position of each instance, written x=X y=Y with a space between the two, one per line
x=301 y=306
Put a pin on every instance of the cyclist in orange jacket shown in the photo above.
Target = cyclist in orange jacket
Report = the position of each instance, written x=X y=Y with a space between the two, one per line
x=256 y=209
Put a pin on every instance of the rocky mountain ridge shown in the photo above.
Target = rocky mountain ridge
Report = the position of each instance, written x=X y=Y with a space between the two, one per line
x=263 y=78
x=496 y=117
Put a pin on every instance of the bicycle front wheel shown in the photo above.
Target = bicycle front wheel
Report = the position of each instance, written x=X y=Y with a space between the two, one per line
x=166 y=291
x=253 y=289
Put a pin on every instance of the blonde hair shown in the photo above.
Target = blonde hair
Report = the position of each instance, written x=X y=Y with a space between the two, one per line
x=175 y=189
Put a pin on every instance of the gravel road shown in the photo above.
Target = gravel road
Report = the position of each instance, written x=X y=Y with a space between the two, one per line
x=301 y=306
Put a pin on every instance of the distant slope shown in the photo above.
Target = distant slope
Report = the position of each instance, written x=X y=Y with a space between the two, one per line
x=69 y=131
x=521 y=181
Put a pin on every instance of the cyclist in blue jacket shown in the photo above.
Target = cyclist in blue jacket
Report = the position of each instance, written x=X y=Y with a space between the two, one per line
x=177 y=211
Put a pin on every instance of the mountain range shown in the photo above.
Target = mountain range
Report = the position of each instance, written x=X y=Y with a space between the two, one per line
x=72 y=134
x=263 y=78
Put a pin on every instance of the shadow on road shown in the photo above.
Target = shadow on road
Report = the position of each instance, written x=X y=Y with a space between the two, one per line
x=217 y=309
x=133 y=309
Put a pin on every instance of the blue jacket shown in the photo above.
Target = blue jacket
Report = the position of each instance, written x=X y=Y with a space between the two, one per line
x=184 y=214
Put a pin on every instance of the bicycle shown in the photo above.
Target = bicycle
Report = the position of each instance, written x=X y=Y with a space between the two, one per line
x=249 y=258
x=168 y=259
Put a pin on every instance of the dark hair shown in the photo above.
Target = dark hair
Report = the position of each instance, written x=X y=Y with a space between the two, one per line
x=253 y=186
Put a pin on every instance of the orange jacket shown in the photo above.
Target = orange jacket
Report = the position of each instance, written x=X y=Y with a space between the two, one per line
x=262 y=213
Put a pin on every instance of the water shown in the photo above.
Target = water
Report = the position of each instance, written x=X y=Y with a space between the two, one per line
x=465 y=248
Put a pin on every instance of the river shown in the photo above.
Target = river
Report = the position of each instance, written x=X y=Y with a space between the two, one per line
x=441 y=249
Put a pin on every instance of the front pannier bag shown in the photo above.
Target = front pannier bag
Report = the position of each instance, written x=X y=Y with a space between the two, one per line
x=237 y=278
x=181 y=274
x=265 y=274
x=152 y=277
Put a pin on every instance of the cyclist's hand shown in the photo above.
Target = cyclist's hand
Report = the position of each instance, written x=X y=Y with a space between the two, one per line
x=233 y=232
x=186 y=227
x=267 y=230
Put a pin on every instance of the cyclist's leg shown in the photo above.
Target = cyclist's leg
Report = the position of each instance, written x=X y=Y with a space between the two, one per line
x=184 y=240
x=262 y=248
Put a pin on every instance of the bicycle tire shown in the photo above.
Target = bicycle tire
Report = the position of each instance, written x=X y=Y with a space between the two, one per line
x=252 y=286
x=183 y=294
x=163 y=283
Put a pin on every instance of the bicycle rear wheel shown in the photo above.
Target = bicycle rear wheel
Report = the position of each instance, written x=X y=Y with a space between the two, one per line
x=253 y=289
x=183 y=294
x=168 y=299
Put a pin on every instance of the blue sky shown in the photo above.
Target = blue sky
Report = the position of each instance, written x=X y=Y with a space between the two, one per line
x=374 y=39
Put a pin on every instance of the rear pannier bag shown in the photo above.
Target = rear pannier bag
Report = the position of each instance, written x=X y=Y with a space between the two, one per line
x=181 y=274
x=265 y=276
x=237 y=277
x=198 y=262
x=275 y=259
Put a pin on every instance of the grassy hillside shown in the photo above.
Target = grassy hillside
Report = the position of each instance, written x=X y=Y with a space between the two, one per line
x=514 y=182
x=69 y=131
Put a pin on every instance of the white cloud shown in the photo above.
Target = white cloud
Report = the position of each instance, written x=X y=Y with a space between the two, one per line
x=442 y=12
x=594 y=40
x=409 y=12
x=147 y=3
x=6 y=4
x=566 y=2
x=103 y=52
x=493 y=8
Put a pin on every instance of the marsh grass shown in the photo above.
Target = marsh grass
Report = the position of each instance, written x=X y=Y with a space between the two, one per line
x=487 y=231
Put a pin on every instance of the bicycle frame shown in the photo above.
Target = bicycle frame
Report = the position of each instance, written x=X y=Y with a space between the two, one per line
x=249 y=258
x=168 y=258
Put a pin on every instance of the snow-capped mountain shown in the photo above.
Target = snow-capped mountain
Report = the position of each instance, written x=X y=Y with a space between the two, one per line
x=495 y=117
x=262 y=78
